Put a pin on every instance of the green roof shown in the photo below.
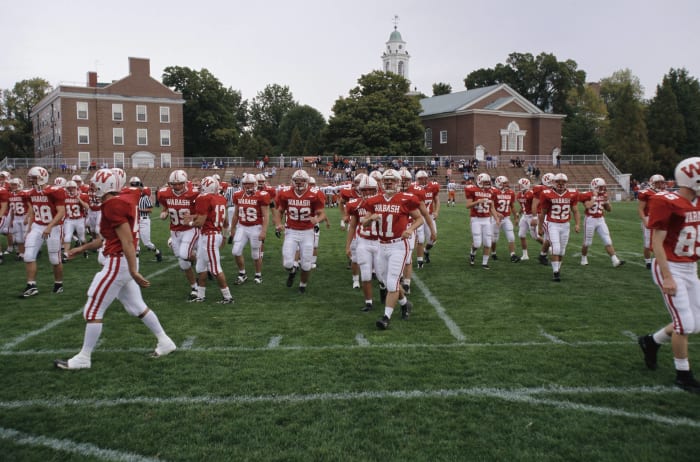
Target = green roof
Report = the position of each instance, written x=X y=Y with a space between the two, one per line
x=395 y=36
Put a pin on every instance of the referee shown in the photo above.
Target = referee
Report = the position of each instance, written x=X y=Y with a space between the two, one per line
x=145 y=207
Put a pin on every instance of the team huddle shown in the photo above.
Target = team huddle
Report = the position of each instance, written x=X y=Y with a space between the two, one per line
x=388 y=216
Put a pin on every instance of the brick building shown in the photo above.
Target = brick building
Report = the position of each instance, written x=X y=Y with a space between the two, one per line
x=132 y=122
x=493 y=120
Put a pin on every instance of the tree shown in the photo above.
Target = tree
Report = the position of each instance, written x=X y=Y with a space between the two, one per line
x=543 y=80
x=625 y=139
x=665 y=127
x=296 y=145
x=16 y=128
x=307 y=120
x=267 y=110
x=377 y=118
x=441 y=88
x=583 y=129
x=687 y=92
x=214 y=116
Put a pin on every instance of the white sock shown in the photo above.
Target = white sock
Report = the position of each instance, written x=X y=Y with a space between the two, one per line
x=151 y=321
x=226 y=292
x=387 y=311
x=93 y=330
x=661 y=336
x=681 y=364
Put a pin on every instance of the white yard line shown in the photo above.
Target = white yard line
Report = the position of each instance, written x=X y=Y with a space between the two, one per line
x=533 y=396
x=274 y=341
x=82 y=449
x=187 y=343
x=439 y=309
x=361 y=340
x=551 y=337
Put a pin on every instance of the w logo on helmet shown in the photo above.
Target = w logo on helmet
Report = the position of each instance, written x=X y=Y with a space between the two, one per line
x=688 y=174
x=691 y=169
x=102 y=176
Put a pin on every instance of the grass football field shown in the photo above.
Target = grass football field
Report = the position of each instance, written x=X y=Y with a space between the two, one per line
x=492 y=365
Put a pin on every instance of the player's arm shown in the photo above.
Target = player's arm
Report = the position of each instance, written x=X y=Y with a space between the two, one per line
x=417 y=223
x=577 y=219
x=436 y=204
x=427 y=219
x=352 y=227
x=657 y=245
x=234 y=221
x=265 y=210
x=58 y=217
x=640 y=211
x=277 y=217
x=540 y=218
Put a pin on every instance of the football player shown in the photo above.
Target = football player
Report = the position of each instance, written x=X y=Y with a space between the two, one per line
x=557 y=205
x=504 y=199
x=480 y=205
x=674 y=218
x=76 y=211
x=596 y=203
x=657 y=183
x=19 y=207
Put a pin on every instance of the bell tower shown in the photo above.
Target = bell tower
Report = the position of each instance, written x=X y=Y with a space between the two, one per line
x=395 y=57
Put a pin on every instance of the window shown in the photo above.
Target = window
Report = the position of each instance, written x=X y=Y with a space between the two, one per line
x=82 y=110
x=141 y=113
x=83 y=160
x=118 y=135
x=165 y=137
x=119 y=159
x=117 y=112
x=429 y=138
x=401 y=68
x=141 y=136
x=165 y=160
x=83 y=135
x=164 y=115
x=443 y=136
x=387 y=67
x=513 y=139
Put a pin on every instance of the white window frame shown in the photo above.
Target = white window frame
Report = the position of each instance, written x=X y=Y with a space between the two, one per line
x=141 y=113
x=164 y=115
x=443 y=136
x=142 y=133
x=118 y=136
x=119 y=160
x=165 y=137
x=513 y=138
x=81 y=107
x=429 y=138
x=117 y=112
x=84 y=160
x=84 y=132
x=166 y=160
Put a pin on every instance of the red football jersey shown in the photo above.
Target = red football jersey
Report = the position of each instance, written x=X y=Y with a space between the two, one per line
x=432 y=190
x=44 y=203
x=597 y=210
x=558 y=206
x=643 y=196
x=5 y=197
x=503 y=201
x=681 y=219
x=249 y=208
x=178 y=206
x=299 y=208
x=524 y=198
x=474 y=193
x=73 y=207
x=358 y=208
x=395 y=212
x=213 y=206
x=19 y=203
x=116 y=211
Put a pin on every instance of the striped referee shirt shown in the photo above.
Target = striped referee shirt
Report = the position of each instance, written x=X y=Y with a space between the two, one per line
x=145 y=206
x=228 y=195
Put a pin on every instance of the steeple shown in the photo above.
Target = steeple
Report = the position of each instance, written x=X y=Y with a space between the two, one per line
x=395 y=57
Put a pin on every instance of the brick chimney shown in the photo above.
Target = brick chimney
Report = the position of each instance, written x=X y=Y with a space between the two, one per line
x=92 y=79
x=140 y=66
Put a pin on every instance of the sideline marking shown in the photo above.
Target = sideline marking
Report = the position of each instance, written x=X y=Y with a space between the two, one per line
x=361 y=340
x=521 y=395
x=187 y=343
x=551 y=337
x=274 y=341
x=67 y=317
x=440 y=310
x=83 y=449
x=630 y=334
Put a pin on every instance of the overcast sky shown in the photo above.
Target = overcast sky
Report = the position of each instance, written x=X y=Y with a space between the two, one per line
x=319 y=48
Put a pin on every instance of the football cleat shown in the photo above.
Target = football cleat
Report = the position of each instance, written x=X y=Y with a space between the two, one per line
x=648 y=266
x=420 y=265
x=619 y=263
x=556 y=277
x=406 y=310
x=524 y=258
x=367 y=307
x=406 y=288
x=159 y=256
x=514 y=258
x=650 y=348
x=57 y=288
x=74 y=363
x=686 y=381
x=164 y=348
x=64 y=258
x=494 y=256
x=543 y=259
x=196 y=299
x=30 y=291
x=486 y=267
x=241 y=279
x=355 y=284
x=584 y=261
x=258 y=279
x=426 y=257
x=302 y=289
x=383 y=322
x=225 y=301
x=472 y=259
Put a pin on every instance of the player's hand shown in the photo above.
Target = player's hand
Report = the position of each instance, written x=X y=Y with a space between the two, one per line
x=669 y=286
x=140 y=280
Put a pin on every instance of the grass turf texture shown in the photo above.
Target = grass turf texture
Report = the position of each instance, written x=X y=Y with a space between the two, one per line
x=492 y=365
